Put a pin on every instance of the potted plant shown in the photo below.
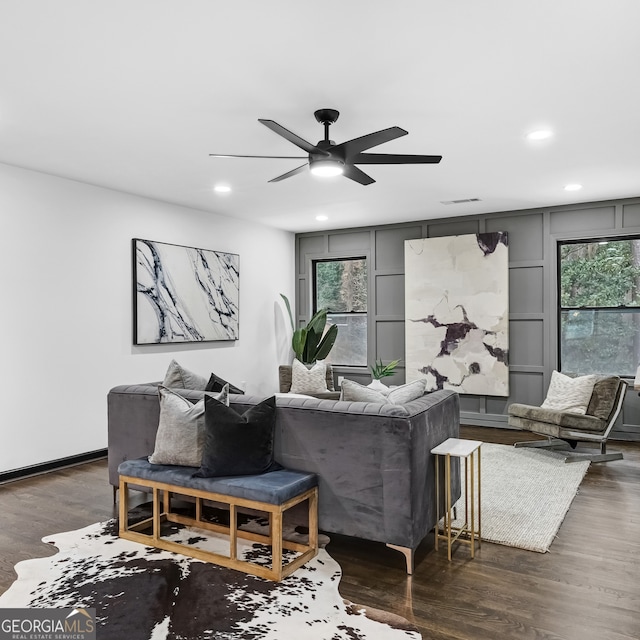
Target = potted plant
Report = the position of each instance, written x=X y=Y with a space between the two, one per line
x=380 y=370
x=312 y=343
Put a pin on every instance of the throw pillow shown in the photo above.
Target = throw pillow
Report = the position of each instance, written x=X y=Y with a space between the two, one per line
x=569 y=394
x=355 y=392
x=306 y=381
x=180 y=435
x=406 y=392
x=236 y=445
x=216 y=383
x=179 y=378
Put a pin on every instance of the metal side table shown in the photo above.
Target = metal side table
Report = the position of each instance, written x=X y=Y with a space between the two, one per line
x=467 y=533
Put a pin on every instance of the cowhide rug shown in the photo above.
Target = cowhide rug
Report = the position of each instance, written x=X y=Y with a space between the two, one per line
x=141 y=593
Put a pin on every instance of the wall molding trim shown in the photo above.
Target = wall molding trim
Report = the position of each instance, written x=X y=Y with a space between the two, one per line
x=533 y=238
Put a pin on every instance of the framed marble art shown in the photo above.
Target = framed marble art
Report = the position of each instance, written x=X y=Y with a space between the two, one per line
x=183 y=294
x=457 y=313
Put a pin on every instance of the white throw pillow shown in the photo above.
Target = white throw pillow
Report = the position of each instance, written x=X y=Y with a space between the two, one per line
x=355 y=392
x=569 y=394
x=305 y=381
x=293 y=395
x=352 y=391
x=406 y=392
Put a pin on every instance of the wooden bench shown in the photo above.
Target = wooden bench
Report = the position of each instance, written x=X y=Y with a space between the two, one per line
x=272 y=493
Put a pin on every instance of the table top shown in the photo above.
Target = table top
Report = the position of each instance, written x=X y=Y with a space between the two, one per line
x=456 y=447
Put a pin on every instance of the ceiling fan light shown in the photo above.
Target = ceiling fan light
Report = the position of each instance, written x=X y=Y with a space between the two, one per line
x=540 y=134
x=327 y=168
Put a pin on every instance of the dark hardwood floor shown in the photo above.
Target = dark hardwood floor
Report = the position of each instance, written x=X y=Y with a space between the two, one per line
x=586 y=587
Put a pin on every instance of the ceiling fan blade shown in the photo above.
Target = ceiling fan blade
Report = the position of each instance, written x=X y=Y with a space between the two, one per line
x=352 y=147
x=356 y=174
x=226 y=155
x=393 y=158
x=293 y=172
x=292 y=137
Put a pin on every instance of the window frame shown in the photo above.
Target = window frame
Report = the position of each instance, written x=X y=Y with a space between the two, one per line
x=314 y=300
x=622 y=309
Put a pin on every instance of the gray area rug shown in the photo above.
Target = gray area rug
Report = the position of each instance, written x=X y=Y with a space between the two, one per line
x=525 y=493
x=141 y=593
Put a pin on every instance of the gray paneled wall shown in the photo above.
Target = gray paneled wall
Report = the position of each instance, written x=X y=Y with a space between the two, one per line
x=533 y=237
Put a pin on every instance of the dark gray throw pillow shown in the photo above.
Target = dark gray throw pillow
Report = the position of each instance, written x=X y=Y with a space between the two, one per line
x=216 y=383
x=238 y=445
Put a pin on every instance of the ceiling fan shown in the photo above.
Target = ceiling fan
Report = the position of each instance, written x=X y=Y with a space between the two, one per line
x=330 y=159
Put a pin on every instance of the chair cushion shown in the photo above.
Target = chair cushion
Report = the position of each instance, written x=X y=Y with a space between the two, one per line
x=533 y=418
x=603 y=398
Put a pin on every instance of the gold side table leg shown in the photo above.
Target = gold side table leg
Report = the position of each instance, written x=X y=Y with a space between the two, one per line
x=466 y=489
x=437 y=532
x=479 y=499
x=448 y=515
x=472 y=498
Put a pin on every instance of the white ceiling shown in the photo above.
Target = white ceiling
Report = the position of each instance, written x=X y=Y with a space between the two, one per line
x=134 y=94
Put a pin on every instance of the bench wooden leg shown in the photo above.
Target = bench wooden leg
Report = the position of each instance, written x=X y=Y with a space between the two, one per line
x=313 y=520
x=123 y=507
x=276 y=545
x=233 y=532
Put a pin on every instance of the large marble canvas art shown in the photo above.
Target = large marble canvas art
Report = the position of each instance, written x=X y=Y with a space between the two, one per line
x=183 y=294
x=457 y=313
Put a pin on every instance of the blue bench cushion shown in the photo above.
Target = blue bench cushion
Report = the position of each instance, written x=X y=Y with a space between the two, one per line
x=274 y=487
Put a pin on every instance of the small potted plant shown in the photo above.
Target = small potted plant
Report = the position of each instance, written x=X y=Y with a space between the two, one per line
x=380 y=370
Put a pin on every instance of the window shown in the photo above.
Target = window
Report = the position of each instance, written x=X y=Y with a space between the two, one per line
x=341 y=287
x=599 y=300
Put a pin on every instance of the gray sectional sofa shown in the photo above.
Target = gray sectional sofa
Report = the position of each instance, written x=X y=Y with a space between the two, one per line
x=376 y=472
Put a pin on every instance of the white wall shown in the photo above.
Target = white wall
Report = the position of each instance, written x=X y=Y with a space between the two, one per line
x=66 y=308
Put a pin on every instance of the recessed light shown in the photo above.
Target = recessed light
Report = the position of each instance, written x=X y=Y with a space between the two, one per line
x=540 y=134
x=573 y=187
x=222 y=188
x=322 y=218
